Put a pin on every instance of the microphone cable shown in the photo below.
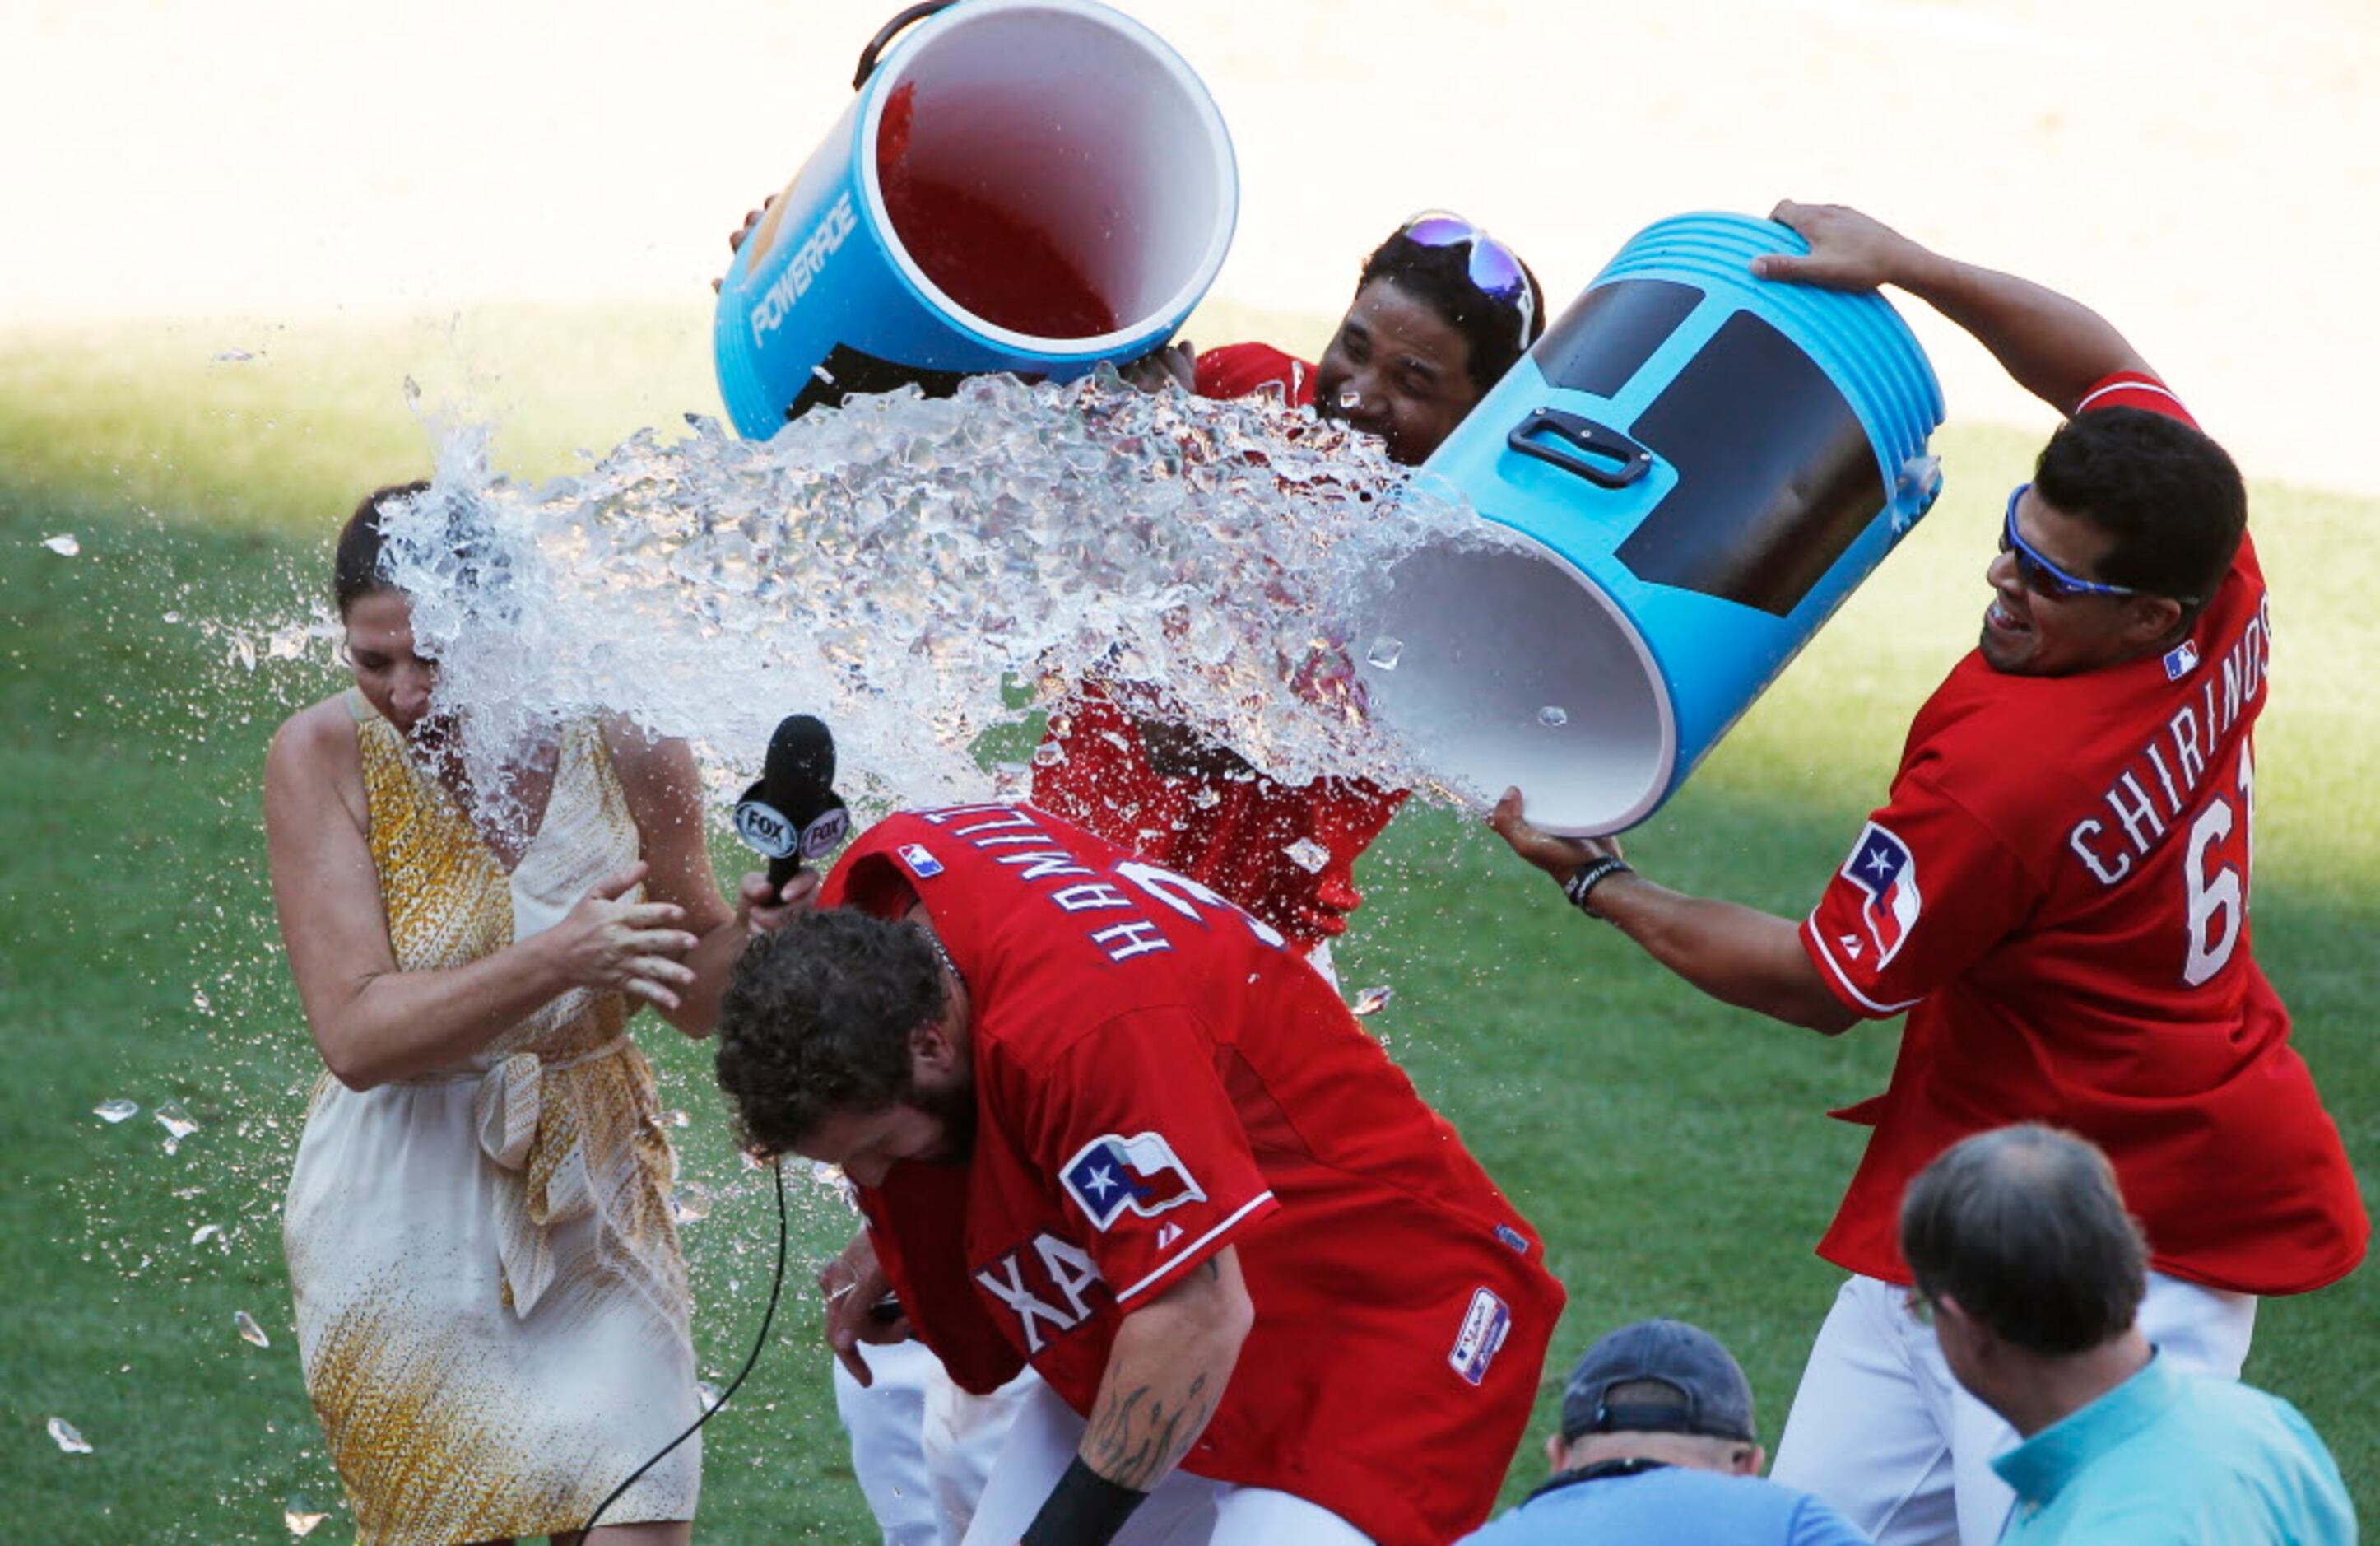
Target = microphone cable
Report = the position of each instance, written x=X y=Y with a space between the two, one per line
x=776 y=1287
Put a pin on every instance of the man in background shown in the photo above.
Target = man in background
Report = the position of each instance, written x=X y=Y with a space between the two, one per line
x=2034 y=1276
x=1657 y=1448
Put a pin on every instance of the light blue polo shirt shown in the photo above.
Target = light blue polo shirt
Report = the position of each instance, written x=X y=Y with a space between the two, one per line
x=1670 y=1505
x=2178 y=1457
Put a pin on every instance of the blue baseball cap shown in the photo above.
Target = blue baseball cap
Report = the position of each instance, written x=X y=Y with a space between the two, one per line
x=1672 y=1378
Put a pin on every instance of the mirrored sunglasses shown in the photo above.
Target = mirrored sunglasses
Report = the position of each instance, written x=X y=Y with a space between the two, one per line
x=2039 y=574
x=1495 y=270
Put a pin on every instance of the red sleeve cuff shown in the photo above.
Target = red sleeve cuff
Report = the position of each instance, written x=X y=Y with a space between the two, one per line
x=1193 y=1249
x=1839 y=980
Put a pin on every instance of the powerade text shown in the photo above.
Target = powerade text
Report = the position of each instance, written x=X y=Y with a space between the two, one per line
x=793 y=281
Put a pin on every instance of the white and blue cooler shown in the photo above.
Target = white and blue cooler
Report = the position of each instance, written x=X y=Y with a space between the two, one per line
x=1705 y=464
x=1076 y=121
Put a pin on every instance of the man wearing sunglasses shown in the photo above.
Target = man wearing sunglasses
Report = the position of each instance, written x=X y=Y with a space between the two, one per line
x=2055 y=893
x=1442 y=311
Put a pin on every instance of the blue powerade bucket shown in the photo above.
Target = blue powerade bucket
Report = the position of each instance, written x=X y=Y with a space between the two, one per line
x=1028 y=186
x=1705 y=464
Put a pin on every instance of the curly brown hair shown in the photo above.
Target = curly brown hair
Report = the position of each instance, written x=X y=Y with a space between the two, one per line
x=817 y=1019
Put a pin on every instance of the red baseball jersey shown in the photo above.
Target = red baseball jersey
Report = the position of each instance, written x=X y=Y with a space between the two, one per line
x=1158 y=1077
x=1285 y=852
x=2056 y=894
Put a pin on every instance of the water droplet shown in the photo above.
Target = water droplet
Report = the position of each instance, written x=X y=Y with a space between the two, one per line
x=1206 y=798
x=689 y=1206
x=1307 y=855
x=1386 y=652
x=710 y=1394
x=824 y=374
x=302 y=1517
x=1371 y=1001
x=1554 y=718
x=177 y=1123
x=1349 y=398
x=115 y=1111
x=205 y=1233
x=675 y=1119
x=64 y=544
x=201 y=1003
x=1048 y=754
x=67 y=1438
x=234 y=357
x=250 y=1332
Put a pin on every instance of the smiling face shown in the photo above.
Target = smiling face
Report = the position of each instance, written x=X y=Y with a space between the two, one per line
x=393 y=676
x=2027 y=633
x=1397 y=369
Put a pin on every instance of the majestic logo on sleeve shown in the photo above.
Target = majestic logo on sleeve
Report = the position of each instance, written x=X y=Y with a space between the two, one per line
x=1886 y=873
x=1113 y=1175
x=1484 y=1326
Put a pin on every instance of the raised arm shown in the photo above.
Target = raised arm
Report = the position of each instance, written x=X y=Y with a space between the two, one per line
x=374 y=1023
x=665 y=793
x=2055 y=346
x=1165 y=1376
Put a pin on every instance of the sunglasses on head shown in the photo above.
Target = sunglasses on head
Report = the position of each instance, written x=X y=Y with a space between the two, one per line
x=1495 y=271
x=2040 y=575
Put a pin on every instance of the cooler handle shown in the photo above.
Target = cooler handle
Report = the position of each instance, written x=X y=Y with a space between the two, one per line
x=884 y=35
x=1583 y=435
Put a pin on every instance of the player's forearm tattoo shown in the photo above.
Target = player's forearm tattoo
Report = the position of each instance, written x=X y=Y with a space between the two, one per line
x=1135 y=1438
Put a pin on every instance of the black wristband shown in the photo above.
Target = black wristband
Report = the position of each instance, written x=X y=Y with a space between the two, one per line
x=1083 y=1509
x=1580 y=885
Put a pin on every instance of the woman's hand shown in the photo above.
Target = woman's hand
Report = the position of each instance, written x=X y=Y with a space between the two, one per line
x=635 y=947
x=854 y=1286
x=763 y=908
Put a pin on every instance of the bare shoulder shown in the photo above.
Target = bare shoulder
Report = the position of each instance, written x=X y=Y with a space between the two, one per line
x=312 y=754
x=650 y=766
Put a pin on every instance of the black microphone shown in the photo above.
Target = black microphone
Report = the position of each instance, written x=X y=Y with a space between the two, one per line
x=794 y=814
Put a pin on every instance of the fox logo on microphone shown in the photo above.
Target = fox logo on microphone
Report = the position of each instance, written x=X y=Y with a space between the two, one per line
x=1141 y=1173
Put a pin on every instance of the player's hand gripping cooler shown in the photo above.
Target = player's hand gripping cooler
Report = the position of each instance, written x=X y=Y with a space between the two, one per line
x=1029 y=186
x=1705 y=464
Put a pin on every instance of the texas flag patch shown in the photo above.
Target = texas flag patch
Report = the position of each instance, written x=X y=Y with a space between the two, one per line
x=1886 y=872
x=1114 y=1174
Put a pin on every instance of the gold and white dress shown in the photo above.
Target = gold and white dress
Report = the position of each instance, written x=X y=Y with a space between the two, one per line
x=492 y=1308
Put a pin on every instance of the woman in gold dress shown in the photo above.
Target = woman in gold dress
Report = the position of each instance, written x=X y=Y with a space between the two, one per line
x=492 y=1307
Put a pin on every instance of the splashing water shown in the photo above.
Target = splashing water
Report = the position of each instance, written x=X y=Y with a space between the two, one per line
x=301 y=1519
x=1553 y=717
x=708 y=1392
x=893 y=565
x=112 y=1111
x=64 y=544
x=177 y=1123
x=63 y=1433
x=250 y=1332
x=1371 y=1001
x=205 y=1233
x=1307 y=855
x=1385 y=652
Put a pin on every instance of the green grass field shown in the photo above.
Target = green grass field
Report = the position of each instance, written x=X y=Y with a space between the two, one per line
x=1675 y=1154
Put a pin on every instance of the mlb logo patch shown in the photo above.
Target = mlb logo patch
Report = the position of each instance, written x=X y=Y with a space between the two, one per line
x=2180 y=661
x=1113 y=1176
x=1886 y=873
x=1484 y=1326
x=921 y=862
